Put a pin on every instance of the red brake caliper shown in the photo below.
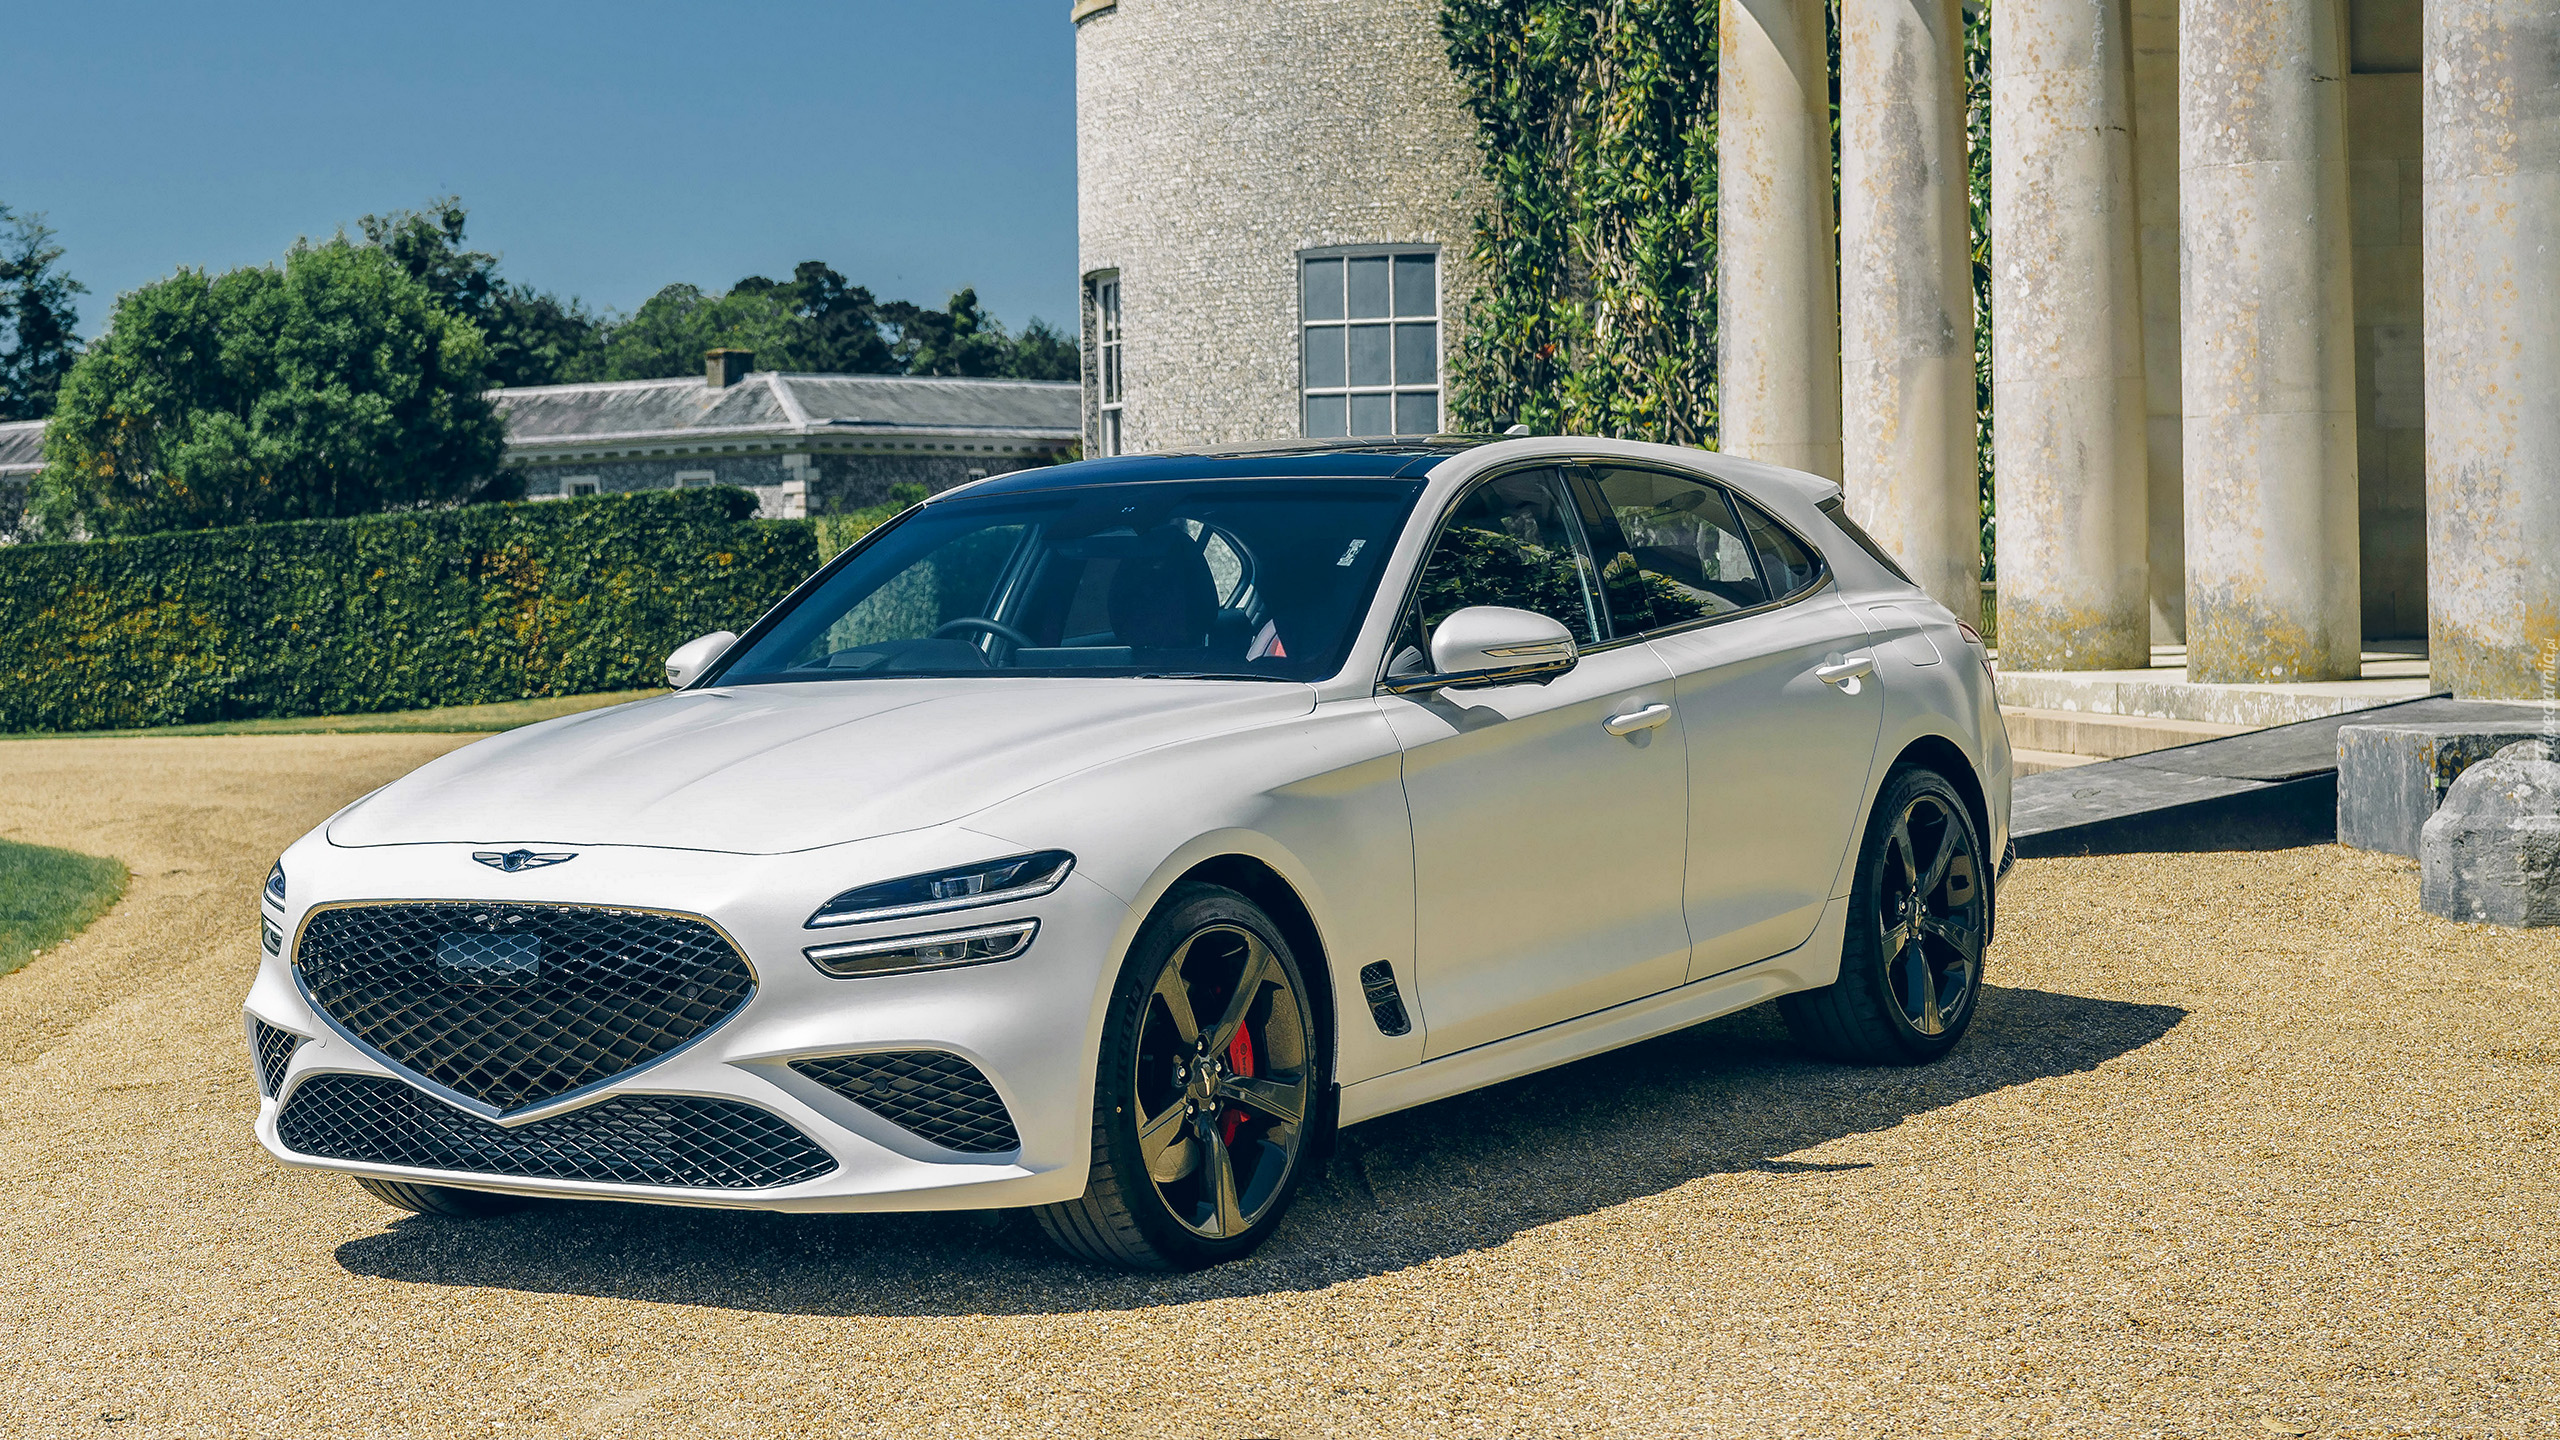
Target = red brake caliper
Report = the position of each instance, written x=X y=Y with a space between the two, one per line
x=1240 y=1061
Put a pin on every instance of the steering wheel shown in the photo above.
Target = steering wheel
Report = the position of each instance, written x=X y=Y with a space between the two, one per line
x=992 y=627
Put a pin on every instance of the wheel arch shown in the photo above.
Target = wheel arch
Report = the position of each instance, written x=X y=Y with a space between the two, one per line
x=1256 y=880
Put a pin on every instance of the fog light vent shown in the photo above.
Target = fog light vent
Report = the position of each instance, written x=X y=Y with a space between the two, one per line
x=938 y=1096
x=272 y=1049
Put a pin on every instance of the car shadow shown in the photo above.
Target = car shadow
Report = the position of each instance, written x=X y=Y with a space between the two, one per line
x=1464 y=1174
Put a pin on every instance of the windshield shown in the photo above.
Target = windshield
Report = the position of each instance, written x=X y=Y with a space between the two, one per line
x=1258 y=579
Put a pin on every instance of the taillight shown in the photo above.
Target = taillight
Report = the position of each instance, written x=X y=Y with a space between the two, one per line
x=1982 y=652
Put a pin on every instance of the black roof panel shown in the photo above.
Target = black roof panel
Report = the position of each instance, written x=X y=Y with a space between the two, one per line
x=1294 y=462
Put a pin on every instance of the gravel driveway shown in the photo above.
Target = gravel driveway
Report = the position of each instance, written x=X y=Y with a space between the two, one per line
x=2241 y=1145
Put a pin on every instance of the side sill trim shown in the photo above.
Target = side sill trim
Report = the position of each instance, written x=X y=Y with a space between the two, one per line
x=1813 y=964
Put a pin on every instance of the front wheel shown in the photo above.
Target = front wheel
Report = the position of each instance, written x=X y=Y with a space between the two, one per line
x=1206 y=1098
x=1919 y=918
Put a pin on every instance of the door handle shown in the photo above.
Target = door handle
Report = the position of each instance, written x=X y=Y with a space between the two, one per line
x=1846 y=672
x=1644 y=718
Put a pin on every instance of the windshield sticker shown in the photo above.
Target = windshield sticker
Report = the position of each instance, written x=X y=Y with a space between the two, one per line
x=1267 y=643
x=1345 y=561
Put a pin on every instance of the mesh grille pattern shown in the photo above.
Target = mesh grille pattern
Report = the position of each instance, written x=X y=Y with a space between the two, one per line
x=940 y=1097
x=273 y=1050
x=513 y=1004
x=631 y=1139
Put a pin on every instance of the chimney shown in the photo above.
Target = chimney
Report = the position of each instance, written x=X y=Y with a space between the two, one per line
x=724 y=368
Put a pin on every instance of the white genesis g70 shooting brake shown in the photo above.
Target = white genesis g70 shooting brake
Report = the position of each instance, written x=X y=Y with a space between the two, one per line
x=1098 y=839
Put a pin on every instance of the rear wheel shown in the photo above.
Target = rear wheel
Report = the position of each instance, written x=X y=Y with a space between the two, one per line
x=1206 y=1098
x=1919 y=919
x=445 y=1200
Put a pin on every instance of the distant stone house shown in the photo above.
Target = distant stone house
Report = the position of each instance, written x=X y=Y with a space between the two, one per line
x=806 y=444
x=21 y=456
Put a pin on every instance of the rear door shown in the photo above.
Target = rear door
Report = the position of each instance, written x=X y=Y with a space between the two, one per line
x=1548 y=851
x=1781 y=731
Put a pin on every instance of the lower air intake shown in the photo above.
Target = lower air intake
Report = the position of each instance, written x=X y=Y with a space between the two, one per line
x=630 y=1140
x=273 y=1050
x=940 y=1097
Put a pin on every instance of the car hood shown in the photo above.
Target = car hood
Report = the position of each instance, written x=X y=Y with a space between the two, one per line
x=763 y=769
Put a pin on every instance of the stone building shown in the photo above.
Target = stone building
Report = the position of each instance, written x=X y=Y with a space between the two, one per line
x=1274 y=202
x=21 y=456
x=806 y=444
x=2277 y=286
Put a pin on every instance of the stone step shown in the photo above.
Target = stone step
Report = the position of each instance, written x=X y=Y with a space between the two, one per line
x=2037 y=762
x=2106 y=737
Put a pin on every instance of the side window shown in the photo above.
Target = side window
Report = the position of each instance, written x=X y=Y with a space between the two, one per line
x=1670 y=550
x=1792 y=569
x=1512 y=541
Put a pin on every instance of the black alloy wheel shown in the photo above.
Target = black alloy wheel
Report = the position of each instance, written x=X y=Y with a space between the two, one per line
x=1919 y=922
x=1206 y=1100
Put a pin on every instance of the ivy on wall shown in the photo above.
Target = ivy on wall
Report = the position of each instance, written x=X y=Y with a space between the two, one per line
x=1596 y=311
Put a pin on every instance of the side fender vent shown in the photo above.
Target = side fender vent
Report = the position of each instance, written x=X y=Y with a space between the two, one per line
x=1386 y=1002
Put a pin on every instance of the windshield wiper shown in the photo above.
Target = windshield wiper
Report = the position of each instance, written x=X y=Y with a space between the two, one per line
x=1213 y=675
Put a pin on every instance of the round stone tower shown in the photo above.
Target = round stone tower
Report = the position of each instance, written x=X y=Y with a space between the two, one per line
x=1275 y=201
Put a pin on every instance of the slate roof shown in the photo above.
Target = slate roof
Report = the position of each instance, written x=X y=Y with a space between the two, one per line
x=21 y=447
x=772 y=404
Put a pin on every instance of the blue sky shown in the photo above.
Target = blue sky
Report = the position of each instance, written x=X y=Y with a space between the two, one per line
x=604 y=150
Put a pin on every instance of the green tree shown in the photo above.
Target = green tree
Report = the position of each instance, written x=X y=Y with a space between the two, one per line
x=37 y=346
x=1598 y=137
x=333 y=384
x=668 y=334
x=837 y=324
x=534 y=338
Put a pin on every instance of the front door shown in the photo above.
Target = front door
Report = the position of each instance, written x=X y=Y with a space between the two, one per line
x=1781 y=735
x=1547 y=851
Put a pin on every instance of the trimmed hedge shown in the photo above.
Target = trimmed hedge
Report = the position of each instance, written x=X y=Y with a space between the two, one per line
x=383 y=612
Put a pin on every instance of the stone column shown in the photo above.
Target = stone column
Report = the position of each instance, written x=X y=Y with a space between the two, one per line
x=2155 y=204
x=2066 y=358
x=2267 y=342
x=1906 y=293
x=1777 y=315
x=2492 y=238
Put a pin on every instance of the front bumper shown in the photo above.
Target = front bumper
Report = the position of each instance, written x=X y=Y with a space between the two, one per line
x=1027 y=1024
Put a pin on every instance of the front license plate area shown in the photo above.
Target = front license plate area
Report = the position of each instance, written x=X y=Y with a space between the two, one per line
x=472 y=957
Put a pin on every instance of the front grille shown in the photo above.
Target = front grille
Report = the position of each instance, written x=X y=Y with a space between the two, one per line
x=272 y=1049
x=514 y=1004
x=938 y=1096
x=630 y=1139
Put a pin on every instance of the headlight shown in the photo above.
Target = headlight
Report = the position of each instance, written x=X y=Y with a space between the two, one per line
x=275 y=885
x=990 y=882
x=925 y=952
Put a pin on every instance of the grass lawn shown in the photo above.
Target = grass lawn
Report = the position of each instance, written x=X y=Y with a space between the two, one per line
x=450 y=719
x=48 y=896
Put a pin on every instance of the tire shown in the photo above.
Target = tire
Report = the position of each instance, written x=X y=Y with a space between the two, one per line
x=1905 y=994
x=1246 y=1111
x=444 y=1200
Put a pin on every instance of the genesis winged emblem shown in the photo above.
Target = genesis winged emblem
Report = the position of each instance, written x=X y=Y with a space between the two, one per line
x=512 y=861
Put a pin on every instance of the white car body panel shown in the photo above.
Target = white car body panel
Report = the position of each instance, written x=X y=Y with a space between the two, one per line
x=1452 y=836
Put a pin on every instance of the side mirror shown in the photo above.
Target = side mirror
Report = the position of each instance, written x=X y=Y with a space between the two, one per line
x=695 y=656
x=1494 y=645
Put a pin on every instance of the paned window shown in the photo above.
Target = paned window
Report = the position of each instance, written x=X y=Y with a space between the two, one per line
x=1670 y=550
x=1371 y=343
x=1108 y=392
